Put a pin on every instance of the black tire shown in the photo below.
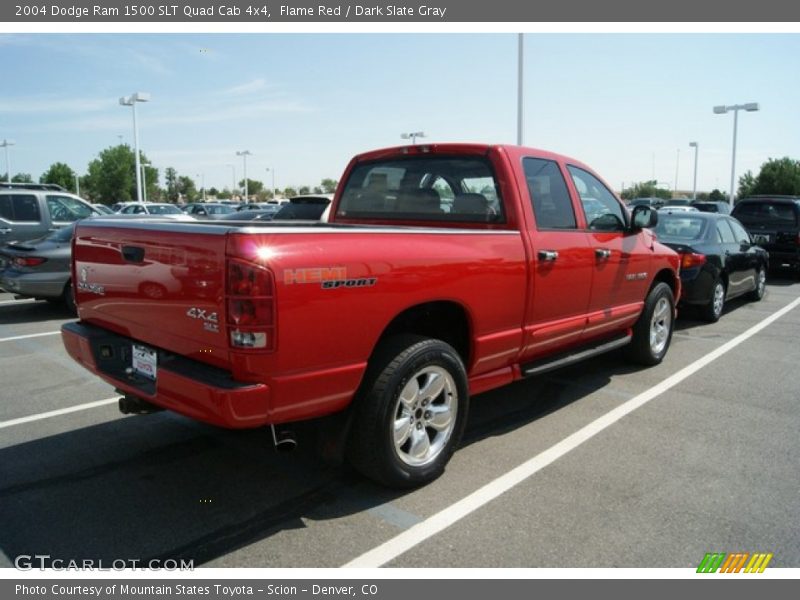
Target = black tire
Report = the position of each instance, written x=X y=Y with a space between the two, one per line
x=658 y=316
x=377 y=446
x=712 y=311
x=761 y=285
x=68 y=298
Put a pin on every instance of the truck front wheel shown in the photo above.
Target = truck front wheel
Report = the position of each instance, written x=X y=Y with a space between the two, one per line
x=411 y=412
x=653 y=331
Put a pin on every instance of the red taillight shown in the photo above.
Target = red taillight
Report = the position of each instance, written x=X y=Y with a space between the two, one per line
x=250 y=306
x=28 y=261
x=692 y=259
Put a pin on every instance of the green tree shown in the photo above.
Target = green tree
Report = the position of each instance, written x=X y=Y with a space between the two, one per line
x=22 y=178
x=778 y=176
x=318 y=190
x=717 y=196
x=254 y=187
x=112 y=175
x=304 y=189
x=171 y=176
x=186 y=188
x=646 y=189
x=746 y=185
x=60 y=174
x=289 y=191
x=212 y=191
x=150 y=183
x=329 y=185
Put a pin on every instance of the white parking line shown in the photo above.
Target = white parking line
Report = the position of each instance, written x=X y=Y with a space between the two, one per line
x=438 y=522
x=30 y=335
x=25 y=301
x=59 y=412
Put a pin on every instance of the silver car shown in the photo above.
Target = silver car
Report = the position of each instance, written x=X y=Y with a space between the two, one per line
x=28 y=214
x=39 y=268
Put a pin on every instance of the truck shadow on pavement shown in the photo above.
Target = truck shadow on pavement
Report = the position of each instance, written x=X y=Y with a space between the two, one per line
x=24 y=313
x=163 y=487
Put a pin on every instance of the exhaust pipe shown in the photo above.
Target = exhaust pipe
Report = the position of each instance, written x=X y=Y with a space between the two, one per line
x=133 y=405
x=283 y=440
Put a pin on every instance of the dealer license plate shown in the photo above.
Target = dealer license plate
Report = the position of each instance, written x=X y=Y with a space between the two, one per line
x=144 y=361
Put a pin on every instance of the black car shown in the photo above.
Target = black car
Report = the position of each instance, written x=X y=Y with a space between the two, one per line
x=774 y=224
x=718 y=259
x=310 y=207
x=251 y=215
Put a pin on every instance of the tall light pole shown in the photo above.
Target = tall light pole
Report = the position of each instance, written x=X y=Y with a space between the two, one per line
x=412 y=136
x=694 y=185
x=520 y=71
x=244 y=154
x=144 y=181
x=271 y=170
x=77 y=185
x=131 y=101
x=677 y=166
x=721 y=110
x=6 y=144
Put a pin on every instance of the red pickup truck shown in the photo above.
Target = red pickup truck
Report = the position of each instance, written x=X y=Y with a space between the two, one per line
x=445 y=270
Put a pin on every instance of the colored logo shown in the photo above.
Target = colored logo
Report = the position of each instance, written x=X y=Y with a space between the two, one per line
x=734 y=563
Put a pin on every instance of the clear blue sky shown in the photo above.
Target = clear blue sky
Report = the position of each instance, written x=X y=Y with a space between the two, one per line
x=303 y=104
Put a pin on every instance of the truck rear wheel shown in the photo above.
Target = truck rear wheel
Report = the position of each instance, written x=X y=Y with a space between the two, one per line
x=653 y=331
x=411 y=412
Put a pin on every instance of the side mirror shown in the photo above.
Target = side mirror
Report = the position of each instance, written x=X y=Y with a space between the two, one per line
x=643 y=217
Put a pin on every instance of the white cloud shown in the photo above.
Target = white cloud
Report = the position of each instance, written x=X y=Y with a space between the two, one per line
x=256 y=85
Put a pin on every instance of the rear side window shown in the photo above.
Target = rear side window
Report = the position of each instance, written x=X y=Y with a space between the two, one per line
x=552 y=205
x=724 y=233
x=423 y=188
x=766 y=213
x=19 y=207
x=65 y=208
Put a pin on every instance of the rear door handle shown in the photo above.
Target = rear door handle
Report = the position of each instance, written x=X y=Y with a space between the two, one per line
x=548 y=255
x=602 y=253
x=5 y=230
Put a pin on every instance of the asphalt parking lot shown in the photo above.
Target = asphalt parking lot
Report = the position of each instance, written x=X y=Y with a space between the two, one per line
x=697 y=458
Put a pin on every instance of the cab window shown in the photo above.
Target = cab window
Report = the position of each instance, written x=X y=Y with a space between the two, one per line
x=19 y=207
x=602 y=209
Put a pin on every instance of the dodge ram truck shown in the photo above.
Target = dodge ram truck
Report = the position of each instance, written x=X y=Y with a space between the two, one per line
x=445 y=270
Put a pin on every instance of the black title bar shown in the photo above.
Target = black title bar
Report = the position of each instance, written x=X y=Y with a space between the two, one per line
x=382 y=11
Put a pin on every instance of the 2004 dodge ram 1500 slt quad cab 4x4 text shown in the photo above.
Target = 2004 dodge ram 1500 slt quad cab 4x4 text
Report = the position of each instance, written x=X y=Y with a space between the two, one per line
x=445 y=270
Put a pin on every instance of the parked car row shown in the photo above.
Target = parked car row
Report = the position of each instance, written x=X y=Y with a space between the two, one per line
x=722 y=257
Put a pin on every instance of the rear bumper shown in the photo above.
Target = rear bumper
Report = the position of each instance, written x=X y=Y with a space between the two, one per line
x=35 y=285
x=186 y=386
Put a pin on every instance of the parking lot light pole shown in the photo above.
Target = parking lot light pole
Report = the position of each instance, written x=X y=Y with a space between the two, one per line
x=244 y=154
x=412 y=136
x=131 y=101
x=202 y=177
x=694 y=185
x=6 y=144
x=721 y=110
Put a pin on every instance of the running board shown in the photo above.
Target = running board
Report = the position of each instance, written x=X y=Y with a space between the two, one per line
x=579 y=354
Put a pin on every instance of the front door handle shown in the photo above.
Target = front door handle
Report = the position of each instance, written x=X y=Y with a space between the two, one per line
x=548 y=255
x=5 y=230
x=602 y=253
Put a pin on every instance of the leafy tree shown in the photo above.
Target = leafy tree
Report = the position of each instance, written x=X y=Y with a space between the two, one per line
x=777 y=176
x=289 y=191
x=171 y=176
x=329 y=185
x=22 y=178
x=646 y=189
x=254 y=187
x=60 y=174
x=112 y=176
x=318 y=190
x=150 y=183
x=717 y=196
x=304 y=190
x=186 y=188
x=746 y=184
x=212 y=191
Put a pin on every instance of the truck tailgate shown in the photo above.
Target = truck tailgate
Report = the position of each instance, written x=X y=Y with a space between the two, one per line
x=159 y=283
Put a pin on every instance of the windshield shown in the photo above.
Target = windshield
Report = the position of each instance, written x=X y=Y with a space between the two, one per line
x=424 y=188
x=767 y=213
x=674 y=228
x=163 y=209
